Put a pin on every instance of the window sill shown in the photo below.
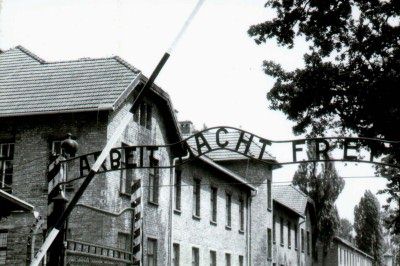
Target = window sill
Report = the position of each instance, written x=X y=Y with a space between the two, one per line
x=282 y=244
x=269 y=209
x=296 y=249
x=176 y=211
x=227 y=227
x=195 y=217
x=125 y=195
x=289 y=247
x=241 y=232
x=213 y=223
x=155 y=204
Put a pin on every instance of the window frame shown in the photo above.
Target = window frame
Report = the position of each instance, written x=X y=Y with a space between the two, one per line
x=228 y=209
x=125 y=185
x=289 y=236
x=213 y=258
x=154 y=242
x=154 y=182
x=214 y=204
x=269 y=194
x=178 y=190
x=195 y=256
x=196 y=197
x=228 y=259
x=282 y=240
x=241 y=214
x=269 y=242
x=6 y=164
x=176 y=254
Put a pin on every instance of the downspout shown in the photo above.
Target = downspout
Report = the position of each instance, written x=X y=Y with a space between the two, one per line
x=171 y=203
x=249 y=225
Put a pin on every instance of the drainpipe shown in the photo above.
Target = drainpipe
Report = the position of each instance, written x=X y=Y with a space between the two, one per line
x=249 y=223
x=171 y=203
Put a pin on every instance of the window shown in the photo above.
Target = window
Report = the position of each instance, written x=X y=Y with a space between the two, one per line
x=213 y=258
x=273 y=229
x=281 y=232
x=6 y=165
x=196 y=197
x=154 y=180
x=56 y=147
x=308 y=243
x=241 y=214
x=269 y=254
x=214 y=196
x=296 y=244
x=3 y=246
x=126 y=174
x=227 y=259
x=195 y=257
x=151 y=252
x=228 y=210
x=289 y=234
x=241 y=260
x=143 y=115
x=269 y=194
x=175 y=258
x=178 y=187
x=124 y=241
x=302 y=240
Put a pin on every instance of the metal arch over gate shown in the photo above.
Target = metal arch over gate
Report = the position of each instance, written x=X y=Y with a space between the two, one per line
x=344 y=149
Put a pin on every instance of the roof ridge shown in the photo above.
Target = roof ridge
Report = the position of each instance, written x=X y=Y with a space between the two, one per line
x=126 y=64
x=29 y=53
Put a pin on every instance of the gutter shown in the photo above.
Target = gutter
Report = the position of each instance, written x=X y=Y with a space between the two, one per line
x=101 y=107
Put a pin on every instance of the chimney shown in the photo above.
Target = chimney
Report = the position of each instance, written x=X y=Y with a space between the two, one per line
x=186 y=127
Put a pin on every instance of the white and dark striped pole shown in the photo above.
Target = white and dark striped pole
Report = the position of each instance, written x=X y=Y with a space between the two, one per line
x=112 y=141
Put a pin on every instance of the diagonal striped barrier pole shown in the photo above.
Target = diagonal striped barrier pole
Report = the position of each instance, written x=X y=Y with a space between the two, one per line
x=112 y=141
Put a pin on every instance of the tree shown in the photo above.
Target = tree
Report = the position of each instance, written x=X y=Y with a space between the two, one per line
x=350 y=81
x=345 y=229
x=323 y=185
x=368 y=226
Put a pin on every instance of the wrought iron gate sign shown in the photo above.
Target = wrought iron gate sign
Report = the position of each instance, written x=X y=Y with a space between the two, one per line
x=241 y=142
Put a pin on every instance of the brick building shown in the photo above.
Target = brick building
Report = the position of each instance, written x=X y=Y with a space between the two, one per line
x=293 y=226
x=344 y=253
x=213 y=210
x=40 y=102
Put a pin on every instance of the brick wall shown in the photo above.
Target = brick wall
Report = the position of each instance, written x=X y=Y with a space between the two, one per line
x=190 y=231
x=261 y=216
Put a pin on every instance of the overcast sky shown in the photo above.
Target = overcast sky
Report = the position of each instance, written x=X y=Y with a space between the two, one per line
x=214 y=77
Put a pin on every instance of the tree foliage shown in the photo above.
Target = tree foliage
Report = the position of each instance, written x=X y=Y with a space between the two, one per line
x=323 y=185
x=368 y=226
x=345 y=229
x=350 y=81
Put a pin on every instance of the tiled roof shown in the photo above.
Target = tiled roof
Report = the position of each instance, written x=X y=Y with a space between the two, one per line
x=291 y=197
x=29 y=85
x=226 y=155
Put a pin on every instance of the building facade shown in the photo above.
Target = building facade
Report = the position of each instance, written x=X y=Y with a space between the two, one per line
x=293 y=227
x=214 y=210
x=344 y=253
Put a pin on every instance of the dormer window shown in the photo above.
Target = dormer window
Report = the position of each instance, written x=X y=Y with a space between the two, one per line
x=143 y=115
